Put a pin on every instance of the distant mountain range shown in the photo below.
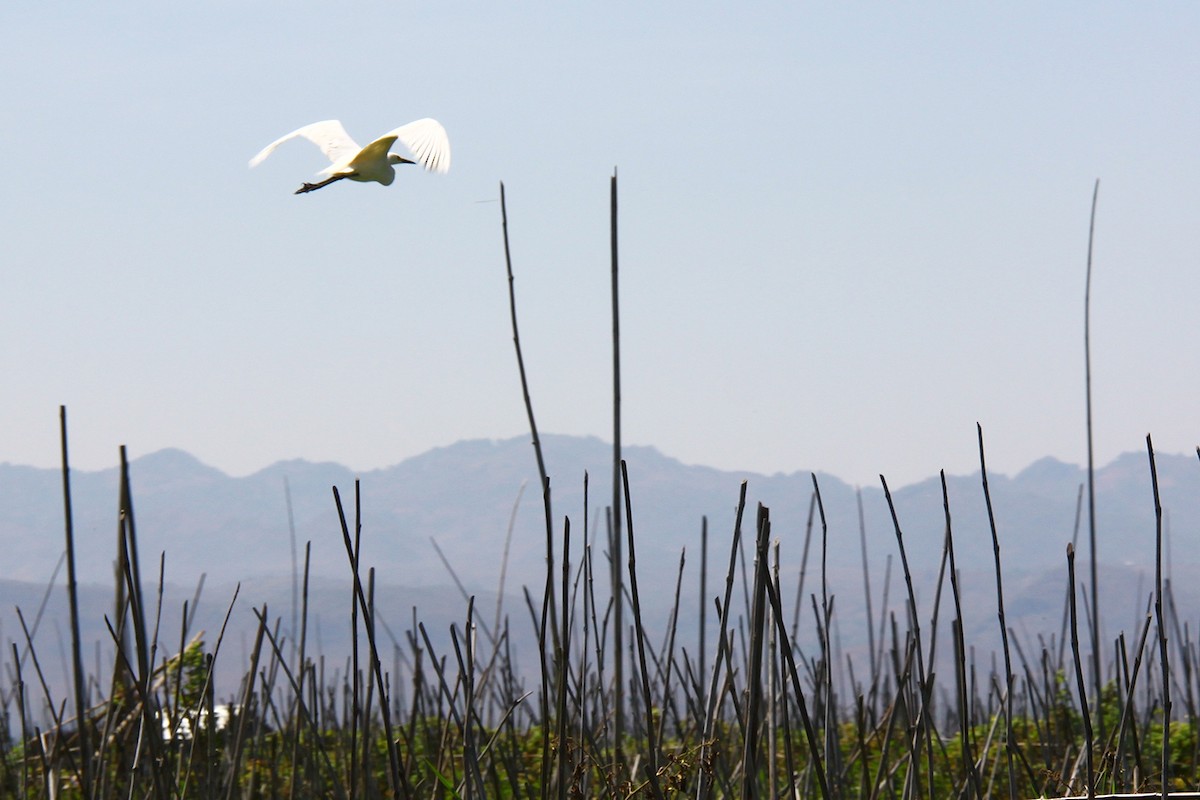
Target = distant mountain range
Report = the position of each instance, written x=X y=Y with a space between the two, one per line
x=465 y=496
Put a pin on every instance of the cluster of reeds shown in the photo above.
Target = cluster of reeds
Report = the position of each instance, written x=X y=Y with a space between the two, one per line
x=616 y=709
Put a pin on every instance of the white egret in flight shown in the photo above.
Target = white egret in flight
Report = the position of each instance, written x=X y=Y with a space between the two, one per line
x=426 y=139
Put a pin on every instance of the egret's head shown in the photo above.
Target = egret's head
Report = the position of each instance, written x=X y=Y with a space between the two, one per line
x=395 y=159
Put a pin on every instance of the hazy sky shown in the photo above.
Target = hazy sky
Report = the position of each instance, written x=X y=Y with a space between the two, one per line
x=848 y=231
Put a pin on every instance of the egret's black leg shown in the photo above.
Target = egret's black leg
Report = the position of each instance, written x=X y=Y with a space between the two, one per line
x=311 y=187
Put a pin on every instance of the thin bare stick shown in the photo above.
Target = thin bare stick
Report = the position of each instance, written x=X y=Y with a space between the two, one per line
x=640 y=636
x=1097 y=680
x=73 y=598
x=1082 y=686
x=617 y=577
x=512 y=523
x=1010 y=737
x=786 y=647
x=704 y=784
x=754 y=699
x=923 y=726
x=533 y=430
x=399 y=779
x=1162 y=630
x=873 y=665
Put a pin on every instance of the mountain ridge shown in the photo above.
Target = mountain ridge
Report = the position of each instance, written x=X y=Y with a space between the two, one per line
x=467 y=491
x=477 y=497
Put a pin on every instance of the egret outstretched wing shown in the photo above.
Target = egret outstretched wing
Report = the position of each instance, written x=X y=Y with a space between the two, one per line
x=328 y=135
x=427 y=140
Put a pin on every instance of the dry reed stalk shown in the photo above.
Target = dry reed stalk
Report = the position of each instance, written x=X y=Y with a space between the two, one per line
x=1097 y=679
x=1079 y=681
x=1009 y=736
x=399 y=779
x=1163 y=654
x=753 y=718
x=85 y=766
x=652 y=745
x=617 y=462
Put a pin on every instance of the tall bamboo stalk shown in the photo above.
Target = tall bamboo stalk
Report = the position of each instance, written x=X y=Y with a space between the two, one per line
x=1163 y=654
x=85 y=765
x=1009 y=736
x=1097 y=679
x=652 y=755
x=399 y=780
x=615 y=540
x=754 y=679
x=1079 y=680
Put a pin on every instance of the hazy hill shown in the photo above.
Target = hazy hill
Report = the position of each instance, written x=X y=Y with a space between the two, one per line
x=463 y=497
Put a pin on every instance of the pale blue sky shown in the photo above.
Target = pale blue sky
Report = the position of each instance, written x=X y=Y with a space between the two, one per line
x=848 y=231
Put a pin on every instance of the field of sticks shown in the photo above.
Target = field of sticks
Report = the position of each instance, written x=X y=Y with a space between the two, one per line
x=616 y=707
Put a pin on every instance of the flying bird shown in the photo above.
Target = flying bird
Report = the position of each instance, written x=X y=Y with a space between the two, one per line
x=425 y=139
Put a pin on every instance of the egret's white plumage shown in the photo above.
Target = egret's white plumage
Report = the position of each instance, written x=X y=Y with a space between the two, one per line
x=426 y=139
